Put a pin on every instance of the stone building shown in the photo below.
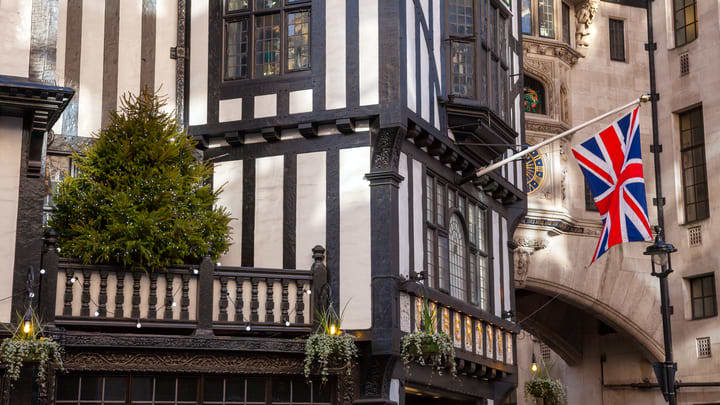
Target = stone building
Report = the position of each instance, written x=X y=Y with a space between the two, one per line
x=600 y=325
x=346 y=134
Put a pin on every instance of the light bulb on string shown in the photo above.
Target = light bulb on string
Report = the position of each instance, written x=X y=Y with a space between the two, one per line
x=27 y=327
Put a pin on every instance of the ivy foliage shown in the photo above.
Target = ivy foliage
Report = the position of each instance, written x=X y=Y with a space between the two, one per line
x=140 y=198
x=29 y=345
x=427 y=346
x=328 y=347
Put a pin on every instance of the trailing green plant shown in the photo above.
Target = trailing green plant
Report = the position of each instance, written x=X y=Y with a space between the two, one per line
x=28 y=344
x=428 y=346
x=140 y=198
x=543 y=385
x=328 y=347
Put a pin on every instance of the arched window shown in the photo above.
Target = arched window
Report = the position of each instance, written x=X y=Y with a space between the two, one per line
x=457 y=258
x=534 y=96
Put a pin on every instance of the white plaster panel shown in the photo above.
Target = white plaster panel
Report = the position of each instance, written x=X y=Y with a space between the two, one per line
x=496 y=262
x=130 y=43
x=269 y=211
x=403 y=218
x=301 y=101
x=265 y=106
x=418 y=236
x=424 y=79
x=404 y=312
x=230 y=110
x=310 y=207
x=60 y=54
x=506 y=264
x=335 y=56
x=10 y=147
x=229 y=176
x=165 y=38
x=411 y=65
x=199 y=22
x=15 y=20
x=355 y=238
x=437 y=38
x=369 y=52
x=91 y=73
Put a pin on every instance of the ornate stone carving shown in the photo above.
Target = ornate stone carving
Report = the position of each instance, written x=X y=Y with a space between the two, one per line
x=404 y=312
x=563 y=184
x=560 y=50
x=548 y=127
x=386 y=149
x=564 y=104
x=585 y=12
x=525 y=249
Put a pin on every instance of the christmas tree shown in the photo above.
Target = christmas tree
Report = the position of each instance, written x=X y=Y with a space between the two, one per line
x=140 y=198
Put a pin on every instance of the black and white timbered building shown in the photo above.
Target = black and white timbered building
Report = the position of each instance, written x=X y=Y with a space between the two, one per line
x=346 y=135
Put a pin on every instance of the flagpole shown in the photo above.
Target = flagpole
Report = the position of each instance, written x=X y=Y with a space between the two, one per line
x=488 y=169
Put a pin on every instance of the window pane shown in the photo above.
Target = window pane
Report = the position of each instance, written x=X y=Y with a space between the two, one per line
x=213 y=389
x=492 y=24
x=165 y=389
x=443 y=261
x=709 y=306
x=696 y=287
x=617 y=40
x=440 y=201
x=234 y=5
x=141 y=389
x=457 y=258
x=115 y=388
x=298 y=32
x=482 y=270
x=526 y=17
x=451 y=198
x=187 y=389
x=481 y=229
x=281 y=389
x=429 y=203
x=473 y=279
x=267 y=45
x=463 y=72
x=256 y=390
x=235 y=389
x=67 y=388
x=698 y=308
x=707 y=285
x=91 y=388
x=471 y=224
x=300 y=390
x=546 y=18
x=690 y=33
x=236 y=49
x=321 y=392
x=430 y=257
x=460 y=17
x=566 y=23
x=680 y=37
x=266 y=4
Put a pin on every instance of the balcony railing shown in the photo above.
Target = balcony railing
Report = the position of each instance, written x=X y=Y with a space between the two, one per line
x=181 y=299
x=484 y=344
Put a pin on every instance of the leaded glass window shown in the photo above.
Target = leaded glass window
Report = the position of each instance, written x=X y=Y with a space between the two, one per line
x=457 y=258
x=482 y=229
x=430 y=250
x=236 y=49
x=463 y=71
x=440 y=201
x=443 y=261
x=298 y=32
x=483 y=277
x=526 y=17
x=266 y=38
x=460 y=17
x=546 y=18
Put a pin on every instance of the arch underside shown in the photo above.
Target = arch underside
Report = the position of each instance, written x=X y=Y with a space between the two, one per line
x=555 y=324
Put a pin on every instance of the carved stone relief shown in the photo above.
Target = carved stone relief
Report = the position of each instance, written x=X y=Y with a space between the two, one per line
x=540 y=46
x=525 y=249
x=404 y=312
x=585 y=12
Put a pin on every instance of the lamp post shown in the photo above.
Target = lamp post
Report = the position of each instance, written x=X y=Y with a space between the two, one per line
x=660 y=252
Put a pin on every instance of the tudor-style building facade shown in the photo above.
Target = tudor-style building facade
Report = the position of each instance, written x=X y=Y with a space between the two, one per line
x=345 y=135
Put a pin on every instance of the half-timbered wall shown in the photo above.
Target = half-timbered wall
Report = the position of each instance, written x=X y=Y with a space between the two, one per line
x=284 y=204
x=105 y=49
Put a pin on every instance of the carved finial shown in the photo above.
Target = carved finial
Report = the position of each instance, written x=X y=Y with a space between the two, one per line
x=50 y=238
x=318 y=254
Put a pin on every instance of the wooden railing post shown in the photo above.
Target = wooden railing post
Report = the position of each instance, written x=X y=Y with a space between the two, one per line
x=48 y=278
x=205 y=297
x=320 y=296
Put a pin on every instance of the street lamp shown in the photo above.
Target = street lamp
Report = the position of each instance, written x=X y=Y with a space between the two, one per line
x=660 y=252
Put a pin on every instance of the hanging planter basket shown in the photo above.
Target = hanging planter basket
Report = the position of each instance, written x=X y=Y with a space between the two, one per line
x=434 y=349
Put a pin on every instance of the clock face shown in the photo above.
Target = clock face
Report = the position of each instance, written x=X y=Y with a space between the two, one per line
x=534 y=171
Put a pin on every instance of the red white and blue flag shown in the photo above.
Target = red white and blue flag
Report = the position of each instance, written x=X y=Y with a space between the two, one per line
x=612 y=164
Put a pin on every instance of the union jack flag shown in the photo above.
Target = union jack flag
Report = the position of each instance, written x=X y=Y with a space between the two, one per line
x=612 y=164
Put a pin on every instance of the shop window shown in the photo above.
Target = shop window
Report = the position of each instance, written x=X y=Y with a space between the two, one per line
x=534 y=96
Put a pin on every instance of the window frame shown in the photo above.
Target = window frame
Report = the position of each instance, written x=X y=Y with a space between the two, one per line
x=566 y=30
x=540 y=20
x=436 y=233
x=250 y=14
x=471 y=40
x=691 y=148
x=686 y=24
x=703 y=296
x=617 y=40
